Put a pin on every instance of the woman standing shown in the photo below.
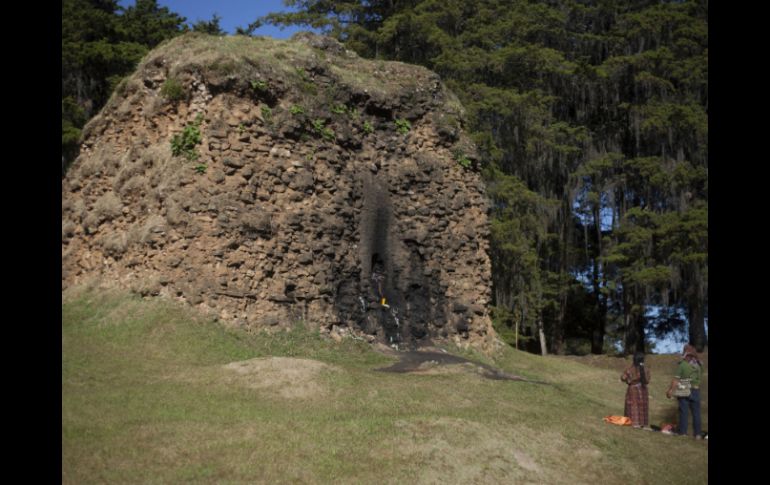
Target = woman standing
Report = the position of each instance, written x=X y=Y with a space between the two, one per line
x=637 y=398
x=689 y=368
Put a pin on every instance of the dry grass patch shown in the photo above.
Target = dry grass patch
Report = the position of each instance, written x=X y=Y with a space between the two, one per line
x=288 y=377
x=453 y=450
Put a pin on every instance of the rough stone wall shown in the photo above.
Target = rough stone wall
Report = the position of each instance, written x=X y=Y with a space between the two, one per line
x=302 y=182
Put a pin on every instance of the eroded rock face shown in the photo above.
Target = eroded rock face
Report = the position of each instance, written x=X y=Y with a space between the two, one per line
x=322 y=184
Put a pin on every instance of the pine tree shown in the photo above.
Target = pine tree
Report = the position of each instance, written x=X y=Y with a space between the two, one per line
x=101 y=44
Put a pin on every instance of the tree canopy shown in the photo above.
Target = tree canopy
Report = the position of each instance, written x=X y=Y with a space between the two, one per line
x=101 y=43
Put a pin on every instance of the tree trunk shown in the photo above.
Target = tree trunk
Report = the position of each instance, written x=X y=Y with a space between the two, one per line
x=557 y=343
x=517 y=334
x=629 y=346
x=597 y=336
x=543 y=349
x=640 y=324
x=697 y=327
x=635 y=336
x=634 y=317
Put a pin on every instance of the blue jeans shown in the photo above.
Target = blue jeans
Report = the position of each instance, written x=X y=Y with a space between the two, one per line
x=686 y=404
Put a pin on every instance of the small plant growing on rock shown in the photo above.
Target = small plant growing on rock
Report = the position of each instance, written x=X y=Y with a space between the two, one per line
x=326 y=133
x=296 y=110
x=267 y=114
x=172 y=90
x=403 y=126
x=368 y=128
x=339 y=109
x=201 y=168
x=184 y=143
x=259 y=85
x=302 y=74
x=462 y=159
x=305 y=83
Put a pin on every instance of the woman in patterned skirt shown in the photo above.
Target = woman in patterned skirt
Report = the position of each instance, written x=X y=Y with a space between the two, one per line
x=637 y=398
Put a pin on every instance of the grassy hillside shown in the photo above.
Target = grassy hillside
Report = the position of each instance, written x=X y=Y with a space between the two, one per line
x=152 y=393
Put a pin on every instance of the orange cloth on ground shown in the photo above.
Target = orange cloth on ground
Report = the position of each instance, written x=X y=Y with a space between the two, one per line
x=619 y=420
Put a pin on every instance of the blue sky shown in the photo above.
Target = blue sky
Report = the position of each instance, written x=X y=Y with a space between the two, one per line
x=233 y=13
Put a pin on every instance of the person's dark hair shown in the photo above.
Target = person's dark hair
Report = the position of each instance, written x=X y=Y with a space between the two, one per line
x=639 y=363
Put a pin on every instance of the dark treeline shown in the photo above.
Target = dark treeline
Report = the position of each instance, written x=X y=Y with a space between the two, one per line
x=592 y=120
x=101 y=44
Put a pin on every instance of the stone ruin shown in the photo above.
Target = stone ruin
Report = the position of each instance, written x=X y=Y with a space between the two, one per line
x=274 y=182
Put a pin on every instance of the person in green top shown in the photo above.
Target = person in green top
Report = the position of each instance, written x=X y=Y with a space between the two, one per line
x=689 y=368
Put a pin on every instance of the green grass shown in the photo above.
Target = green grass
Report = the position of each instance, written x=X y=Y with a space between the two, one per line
x=146 y=399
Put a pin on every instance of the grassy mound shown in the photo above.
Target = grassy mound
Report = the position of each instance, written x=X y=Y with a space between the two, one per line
x=152 y=393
